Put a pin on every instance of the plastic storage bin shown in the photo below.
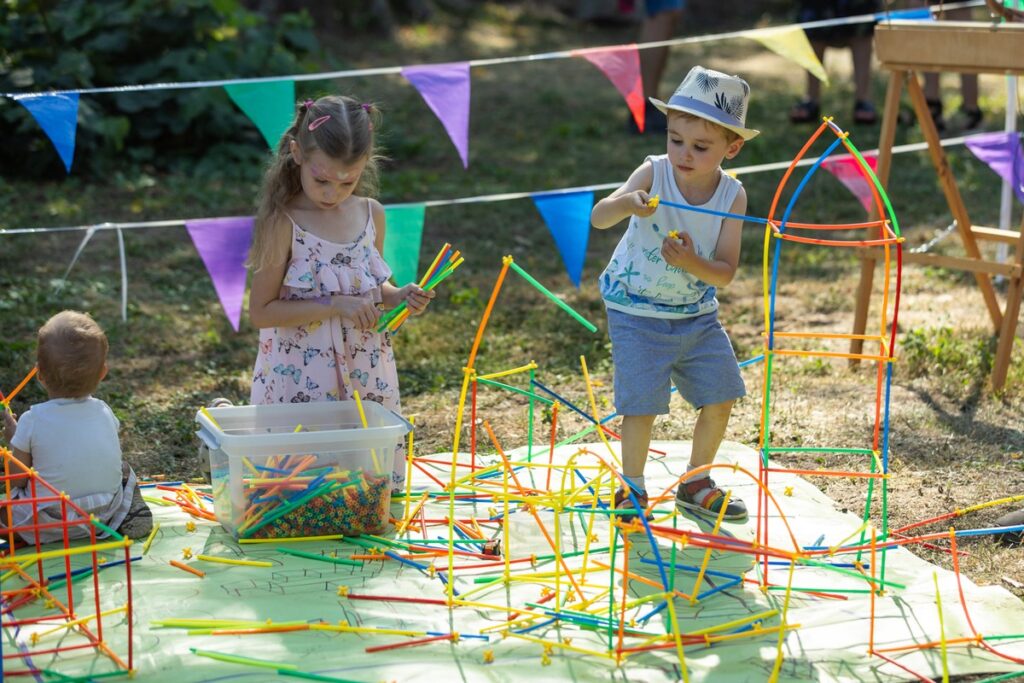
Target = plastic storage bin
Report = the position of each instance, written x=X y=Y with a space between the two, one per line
x=301 y=469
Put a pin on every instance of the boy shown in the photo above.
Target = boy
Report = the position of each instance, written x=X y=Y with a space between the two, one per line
x=659 y=289
x=71 y=440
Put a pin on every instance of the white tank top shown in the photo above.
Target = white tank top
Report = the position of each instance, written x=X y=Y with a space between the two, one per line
x=638 y=281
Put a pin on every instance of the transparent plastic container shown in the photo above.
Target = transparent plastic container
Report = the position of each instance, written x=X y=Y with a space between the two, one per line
x=301 y=469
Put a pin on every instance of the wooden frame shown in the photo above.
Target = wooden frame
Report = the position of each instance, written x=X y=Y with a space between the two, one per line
x=905 y=49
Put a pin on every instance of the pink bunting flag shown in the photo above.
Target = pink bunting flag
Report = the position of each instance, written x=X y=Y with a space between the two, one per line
x=223 y=244
x=622 y=67
x=850 y=173
x=1003 y=154
x=445 y=88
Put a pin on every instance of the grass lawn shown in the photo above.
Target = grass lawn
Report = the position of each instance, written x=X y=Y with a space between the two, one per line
x=540 y=126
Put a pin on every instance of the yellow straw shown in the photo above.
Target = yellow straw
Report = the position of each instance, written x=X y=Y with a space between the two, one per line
x=76 y=622
x=64 y=552
x=226 y=560
x=433 y=264
x=408 y=468
x=149 y=539
x=942 y=629
x=204 y=411
x=293 y=539
x=362 y=418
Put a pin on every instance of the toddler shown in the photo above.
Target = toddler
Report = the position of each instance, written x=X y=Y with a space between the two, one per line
x=71 y=440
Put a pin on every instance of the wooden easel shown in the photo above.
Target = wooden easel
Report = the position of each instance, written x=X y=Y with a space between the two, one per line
x=905 y=49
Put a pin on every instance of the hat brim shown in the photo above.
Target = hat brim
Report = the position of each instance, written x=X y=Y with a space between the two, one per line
x=745 y=133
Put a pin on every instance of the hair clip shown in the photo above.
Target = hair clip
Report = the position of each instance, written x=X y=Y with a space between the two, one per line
x=318 y=122
x=308 y=104
x=366 y=107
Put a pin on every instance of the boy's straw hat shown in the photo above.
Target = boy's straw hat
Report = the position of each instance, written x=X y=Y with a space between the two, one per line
x=714 y=96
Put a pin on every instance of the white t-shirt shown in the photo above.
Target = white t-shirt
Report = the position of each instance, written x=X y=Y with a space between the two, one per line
x=74 y=445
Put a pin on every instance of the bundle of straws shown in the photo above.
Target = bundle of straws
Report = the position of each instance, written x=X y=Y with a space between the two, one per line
x=444 y=264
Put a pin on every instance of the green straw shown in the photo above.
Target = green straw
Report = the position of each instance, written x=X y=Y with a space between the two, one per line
x=238 y=659
x=104 y=527
x=385 y=319
x=288 y=507
x=313 y=677
x=546 y=292
x=321 y=558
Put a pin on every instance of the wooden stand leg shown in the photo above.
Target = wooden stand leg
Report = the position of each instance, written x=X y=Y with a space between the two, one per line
x=1004 y=350
x=860 y=311
x=867 y=263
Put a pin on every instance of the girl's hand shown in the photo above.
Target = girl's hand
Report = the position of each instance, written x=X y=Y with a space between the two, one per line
x=360 y=310
x=416 y=298
x=640 y=203
x=10 y=423
x=678 y=252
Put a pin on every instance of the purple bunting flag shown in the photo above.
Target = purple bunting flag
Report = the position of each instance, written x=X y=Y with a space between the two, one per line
x=57 y=115
x=1002 y=152
x=567 y=215
x=223 y=244
x=445 y=88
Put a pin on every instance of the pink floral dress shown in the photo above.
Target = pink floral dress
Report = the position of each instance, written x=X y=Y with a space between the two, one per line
x=326 y=360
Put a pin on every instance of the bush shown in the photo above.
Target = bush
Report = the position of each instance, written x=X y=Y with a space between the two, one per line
x=73 y=44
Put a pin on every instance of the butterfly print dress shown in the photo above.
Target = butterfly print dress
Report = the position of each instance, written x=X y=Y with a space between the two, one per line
x=326 y=360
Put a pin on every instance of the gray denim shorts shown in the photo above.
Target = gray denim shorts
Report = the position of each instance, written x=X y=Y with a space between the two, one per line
x=695 y=354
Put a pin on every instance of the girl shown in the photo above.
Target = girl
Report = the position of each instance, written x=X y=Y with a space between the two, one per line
x=319 y=281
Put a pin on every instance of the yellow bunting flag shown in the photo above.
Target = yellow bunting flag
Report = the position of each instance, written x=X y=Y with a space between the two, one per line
x=791 y=42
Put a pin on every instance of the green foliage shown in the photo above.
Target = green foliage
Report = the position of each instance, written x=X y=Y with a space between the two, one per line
x=959 y=357
x=76 y=44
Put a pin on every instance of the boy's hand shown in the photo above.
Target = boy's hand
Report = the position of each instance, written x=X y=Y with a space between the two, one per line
x=416 y=298
x=678 y=252
x=10 y=423
x=640 y=203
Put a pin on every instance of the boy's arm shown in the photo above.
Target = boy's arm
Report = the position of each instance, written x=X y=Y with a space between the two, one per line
x=629 y=200
x=719 y=271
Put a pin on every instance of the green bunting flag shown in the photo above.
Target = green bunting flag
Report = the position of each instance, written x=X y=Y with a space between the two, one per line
x=402 y=240
x=270 y=105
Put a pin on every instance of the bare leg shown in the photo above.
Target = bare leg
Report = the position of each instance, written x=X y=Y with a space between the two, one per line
x=636 y=438
x=653 y=60
x=708 y=433
x=813 y=84
x=860 y=47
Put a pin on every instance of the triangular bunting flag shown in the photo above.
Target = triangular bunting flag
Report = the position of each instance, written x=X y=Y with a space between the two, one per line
x=568 y=217
x=402 y=241
x=791 y=42
x=445 y=88
x=223 y=244
x=622 y=67
x=850 y=173
x=1002 y=152
x=57 y=115
x=270 y=105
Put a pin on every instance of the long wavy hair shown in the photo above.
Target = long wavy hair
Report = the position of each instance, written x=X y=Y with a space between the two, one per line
x=347 y=136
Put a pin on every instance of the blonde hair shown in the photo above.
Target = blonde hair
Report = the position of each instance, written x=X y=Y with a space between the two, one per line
x=71 y=354
x=346 y=135
x=730 y=135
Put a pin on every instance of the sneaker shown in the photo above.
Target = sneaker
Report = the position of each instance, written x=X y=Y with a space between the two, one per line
x=622 y=501
x=704 y=498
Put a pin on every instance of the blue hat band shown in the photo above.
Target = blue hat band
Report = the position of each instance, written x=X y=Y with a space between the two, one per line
x=702 y=107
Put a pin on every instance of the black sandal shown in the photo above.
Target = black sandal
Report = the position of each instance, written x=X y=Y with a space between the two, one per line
x=935 y=109
x=804 y=111
x=864 y=112
x=972 y=117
